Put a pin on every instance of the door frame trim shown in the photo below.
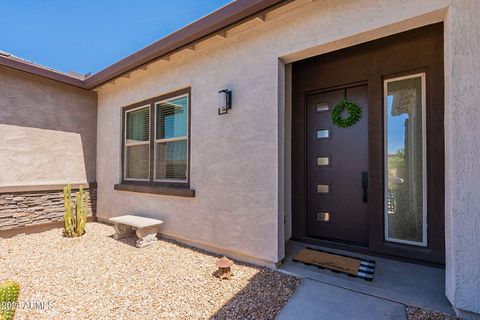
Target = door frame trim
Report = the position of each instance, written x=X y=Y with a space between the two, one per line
x=338 y=87
x=306 y=77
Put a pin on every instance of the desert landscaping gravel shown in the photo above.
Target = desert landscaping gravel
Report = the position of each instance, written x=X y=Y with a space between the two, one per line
x=414 y=313
x=97 y=277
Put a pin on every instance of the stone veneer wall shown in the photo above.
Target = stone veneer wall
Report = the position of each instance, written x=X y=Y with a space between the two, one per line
x=27 y=208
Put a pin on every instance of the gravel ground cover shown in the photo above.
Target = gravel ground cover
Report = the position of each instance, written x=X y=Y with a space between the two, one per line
x=414 y=313
x=97 y=277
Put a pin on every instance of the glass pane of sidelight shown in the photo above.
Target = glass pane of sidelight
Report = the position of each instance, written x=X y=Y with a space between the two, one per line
x=405 y=161
x=323 y=134
x=138 y=160
x=172 y=118
x=171 y=160
x=323 y=161
x=138 y=125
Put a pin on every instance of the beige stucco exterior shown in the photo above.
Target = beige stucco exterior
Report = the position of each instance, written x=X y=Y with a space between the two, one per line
x=47 y=130
x=462 y=204
x=240 y=161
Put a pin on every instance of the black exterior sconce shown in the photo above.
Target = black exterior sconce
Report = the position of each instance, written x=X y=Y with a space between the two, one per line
x=226 y=101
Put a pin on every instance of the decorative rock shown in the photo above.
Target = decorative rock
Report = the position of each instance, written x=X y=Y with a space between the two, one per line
x=6 y=214
x=224 y=268
x=114 y=280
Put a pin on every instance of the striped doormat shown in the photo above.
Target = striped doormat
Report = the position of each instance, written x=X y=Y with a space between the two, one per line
x=354 y=267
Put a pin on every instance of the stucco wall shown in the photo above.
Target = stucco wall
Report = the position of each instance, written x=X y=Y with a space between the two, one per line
x=235 y=158
x=462 y=152
x=47 y=130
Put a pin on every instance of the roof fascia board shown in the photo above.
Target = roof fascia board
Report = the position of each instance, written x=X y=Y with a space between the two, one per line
x=42 y=72
x=229 y=15
x=226 y=17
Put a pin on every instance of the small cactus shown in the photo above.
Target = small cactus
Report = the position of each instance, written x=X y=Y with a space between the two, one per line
x=74 y=220
x=68 y=220
x=9 y=292
x=81 y=206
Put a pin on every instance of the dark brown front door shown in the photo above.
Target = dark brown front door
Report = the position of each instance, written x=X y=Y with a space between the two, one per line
x=399 y=142
x=337 y=169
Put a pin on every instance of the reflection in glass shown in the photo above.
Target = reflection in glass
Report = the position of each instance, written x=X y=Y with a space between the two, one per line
x=172 y=118
x=171 y=144
x=405 y=142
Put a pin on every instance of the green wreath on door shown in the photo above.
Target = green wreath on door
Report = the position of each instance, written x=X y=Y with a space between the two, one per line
x=354 y=114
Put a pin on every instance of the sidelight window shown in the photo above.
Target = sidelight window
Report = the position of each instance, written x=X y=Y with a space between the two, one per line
x=405 y=160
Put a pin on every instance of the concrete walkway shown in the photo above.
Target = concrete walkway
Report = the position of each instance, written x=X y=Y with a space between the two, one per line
x=402 y=282
x=317 y=300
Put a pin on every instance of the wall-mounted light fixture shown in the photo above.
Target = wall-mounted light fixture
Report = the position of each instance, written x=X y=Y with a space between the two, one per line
x=225 y=99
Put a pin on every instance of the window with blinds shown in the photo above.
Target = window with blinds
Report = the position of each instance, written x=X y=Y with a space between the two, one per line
x=137 y=144
x=162 y=155
x=171 y=139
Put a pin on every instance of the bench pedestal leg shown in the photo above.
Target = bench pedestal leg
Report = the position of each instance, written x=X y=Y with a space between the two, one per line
x=146 y=236
x=121 y=231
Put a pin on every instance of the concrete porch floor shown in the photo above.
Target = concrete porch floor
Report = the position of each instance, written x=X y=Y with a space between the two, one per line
x=336 y=296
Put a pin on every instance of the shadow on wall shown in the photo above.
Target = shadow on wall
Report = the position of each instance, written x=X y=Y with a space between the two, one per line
x=65 y=118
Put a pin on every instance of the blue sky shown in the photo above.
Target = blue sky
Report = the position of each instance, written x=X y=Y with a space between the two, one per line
x=87 y=36
x=396 y=129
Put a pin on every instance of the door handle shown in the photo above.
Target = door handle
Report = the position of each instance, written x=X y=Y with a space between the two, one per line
x=365 y=186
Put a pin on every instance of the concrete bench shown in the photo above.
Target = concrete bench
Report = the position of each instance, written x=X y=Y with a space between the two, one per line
x=145 y=228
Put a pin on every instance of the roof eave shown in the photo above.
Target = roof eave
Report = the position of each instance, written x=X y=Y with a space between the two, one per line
x=228 y=15
x=224 y=18
x=42 y=72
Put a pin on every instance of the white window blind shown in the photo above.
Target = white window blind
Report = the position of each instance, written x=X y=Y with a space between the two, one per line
x=171 y=139
x=137 y=144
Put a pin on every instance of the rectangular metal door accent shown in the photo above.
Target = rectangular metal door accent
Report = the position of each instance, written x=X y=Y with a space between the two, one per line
x=323 y=134
x=323 y=188
x=322 y=106
x=323 y=161
x=323 y=216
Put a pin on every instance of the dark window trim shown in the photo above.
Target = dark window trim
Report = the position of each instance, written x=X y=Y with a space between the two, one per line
x=152 y=186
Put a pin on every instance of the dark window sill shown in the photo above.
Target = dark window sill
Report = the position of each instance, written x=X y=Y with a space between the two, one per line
x=156 y=189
